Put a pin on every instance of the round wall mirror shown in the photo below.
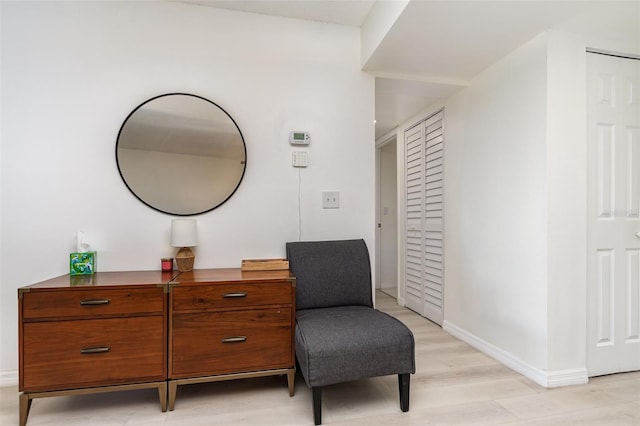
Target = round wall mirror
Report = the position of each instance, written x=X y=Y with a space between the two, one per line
x=181 y=154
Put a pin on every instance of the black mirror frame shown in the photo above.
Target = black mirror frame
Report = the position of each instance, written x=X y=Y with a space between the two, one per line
x=244 y=145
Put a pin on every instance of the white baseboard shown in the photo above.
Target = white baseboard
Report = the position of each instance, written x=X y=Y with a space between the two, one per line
x=575 y=376
x=8 y=378
x=548 y=379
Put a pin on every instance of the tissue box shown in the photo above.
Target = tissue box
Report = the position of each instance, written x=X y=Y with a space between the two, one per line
x=82 y=263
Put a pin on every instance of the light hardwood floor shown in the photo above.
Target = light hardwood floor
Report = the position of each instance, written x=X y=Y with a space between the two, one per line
x=454 y=385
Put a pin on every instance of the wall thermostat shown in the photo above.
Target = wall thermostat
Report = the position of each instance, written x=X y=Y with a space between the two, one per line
x=299 y=138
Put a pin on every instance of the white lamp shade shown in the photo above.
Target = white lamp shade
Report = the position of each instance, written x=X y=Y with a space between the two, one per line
x=184 y=233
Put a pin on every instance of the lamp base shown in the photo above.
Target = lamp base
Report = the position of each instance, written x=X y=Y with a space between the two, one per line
x=184 y=259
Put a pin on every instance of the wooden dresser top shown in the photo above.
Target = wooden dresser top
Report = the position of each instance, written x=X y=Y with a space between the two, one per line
x=99 y=279
x=132 y=278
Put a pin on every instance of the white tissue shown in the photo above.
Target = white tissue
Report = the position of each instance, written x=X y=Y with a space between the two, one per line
x=82 y=246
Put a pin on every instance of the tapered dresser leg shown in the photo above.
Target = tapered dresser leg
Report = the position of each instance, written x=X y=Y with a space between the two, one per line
x=162 y=393
x=25 y=406
x=173 y=389
x=291 y=379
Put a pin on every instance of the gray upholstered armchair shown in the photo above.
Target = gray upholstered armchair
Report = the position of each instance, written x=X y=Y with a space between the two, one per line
x=339 y=335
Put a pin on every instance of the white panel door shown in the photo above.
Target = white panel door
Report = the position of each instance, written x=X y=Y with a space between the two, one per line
x=613 y=242
x=424 y=287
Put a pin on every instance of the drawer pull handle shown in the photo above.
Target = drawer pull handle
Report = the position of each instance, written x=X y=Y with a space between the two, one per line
x=238 y=294
x=235 y=339
x=95 y=350
x=93 y=302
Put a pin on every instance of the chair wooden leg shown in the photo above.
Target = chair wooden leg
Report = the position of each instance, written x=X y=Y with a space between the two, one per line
x=317 y=405
x=403 y=386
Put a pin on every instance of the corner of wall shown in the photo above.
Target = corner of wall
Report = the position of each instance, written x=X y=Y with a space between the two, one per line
x=381 y=18
x=566 y=219
x=547 y=379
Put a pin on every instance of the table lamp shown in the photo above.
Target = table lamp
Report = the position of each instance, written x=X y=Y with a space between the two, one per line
x=184 y=234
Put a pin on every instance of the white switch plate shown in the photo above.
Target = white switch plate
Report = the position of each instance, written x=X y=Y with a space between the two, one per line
x=300 y=159
x=330 y=200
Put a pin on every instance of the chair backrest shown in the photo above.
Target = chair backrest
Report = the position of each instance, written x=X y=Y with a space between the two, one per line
x=330 y=273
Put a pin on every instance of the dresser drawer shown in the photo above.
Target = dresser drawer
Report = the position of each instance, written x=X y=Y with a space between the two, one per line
x=92 y=302
x=233 y=341
x=190 y=298
x=71 y=354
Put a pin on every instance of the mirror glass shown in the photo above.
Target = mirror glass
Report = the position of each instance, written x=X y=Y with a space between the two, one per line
x=181 y=154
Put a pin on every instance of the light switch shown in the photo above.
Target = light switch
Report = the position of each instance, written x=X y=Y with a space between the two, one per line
x=331 y=200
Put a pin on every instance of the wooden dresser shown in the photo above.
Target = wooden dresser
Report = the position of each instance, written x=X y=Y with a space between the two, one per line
x=227 y=324
x=130 y=330
x=93 y=333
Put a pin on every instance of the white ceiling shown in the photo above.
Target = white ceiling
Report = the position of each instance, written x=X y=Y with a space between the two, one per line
x=341 y=12
x=435 y=46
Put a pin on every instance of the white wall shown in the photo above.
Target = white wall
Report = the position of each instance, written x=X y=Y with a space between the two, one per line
x=613 y=27
x=566 y=200
x=515 y=260
x=72 y=71
x=495 y=204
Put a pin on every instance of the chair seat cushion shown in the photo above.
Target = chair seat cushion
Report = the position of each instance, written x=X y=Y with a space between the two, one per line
x=345 y=343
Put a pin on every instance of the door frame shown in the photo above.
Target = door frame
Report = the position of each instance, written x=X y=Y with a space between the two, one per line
x=380 y=143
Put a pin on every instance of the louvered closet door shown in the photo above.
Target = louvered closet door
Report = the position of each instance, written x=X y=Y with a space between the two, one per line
x=424 y=218
x=433 y=223
x=414 y=250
